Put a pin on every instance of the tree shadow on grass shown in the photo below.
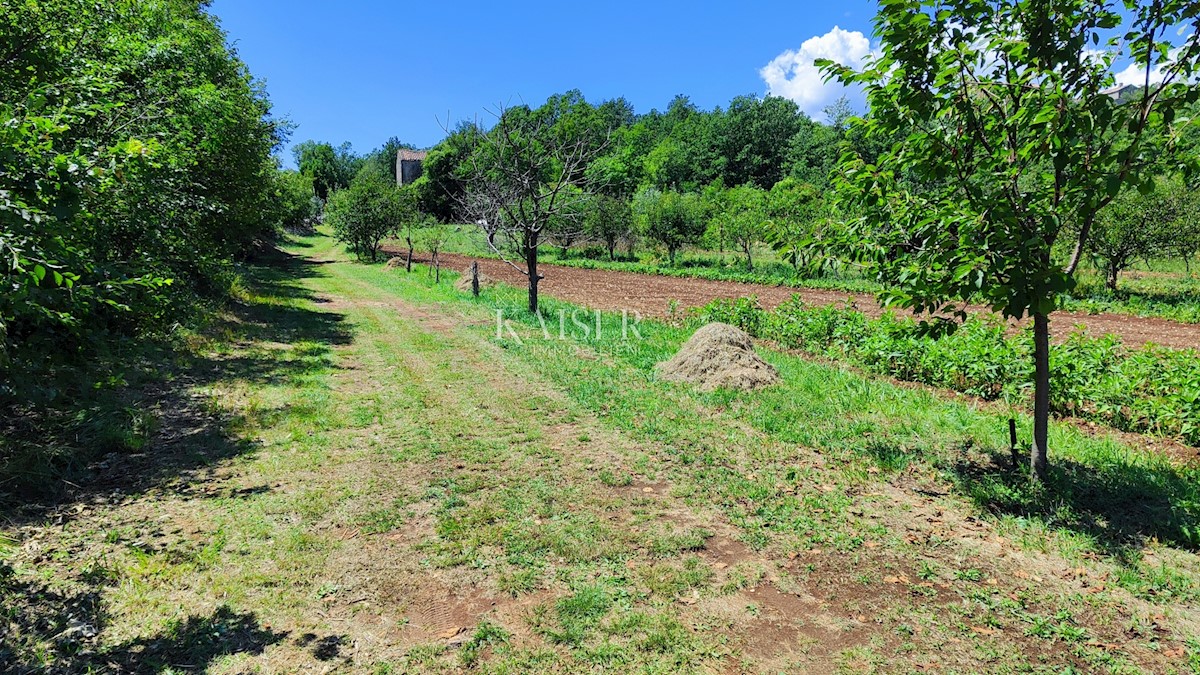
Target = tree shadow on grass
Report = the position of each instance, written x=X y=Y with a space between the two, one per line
x=49 y=631
x=1119 y=505
x=156 y=433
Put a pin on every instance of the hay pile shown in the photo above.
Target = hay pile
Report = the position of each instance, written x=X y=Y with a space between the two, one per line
x=464 y=282
x=719 y=356
x=395 y=263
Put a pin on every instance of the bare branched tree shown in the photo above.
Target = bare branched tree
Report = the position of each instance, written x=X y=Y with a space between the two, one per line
x=525 y=182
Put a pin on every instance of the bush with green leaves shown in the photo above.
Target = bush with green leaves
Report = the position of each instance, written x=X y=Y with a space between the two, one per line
x=114 y=217
x=1152 y=390
x=368 y=211
x=741 y=217
x=295 y=204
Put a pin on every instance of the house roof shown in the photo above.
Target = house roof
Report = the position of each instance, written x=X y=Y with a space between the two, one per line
x=1119 y=90
x=410 y=155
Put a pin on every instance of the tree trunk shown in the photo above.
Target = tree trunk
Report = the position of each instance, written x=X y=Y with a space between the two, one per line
x=612 y=248
x=1111 y=278
x=475 y=278
x=1041 y=397
x=437 y=268
x=671 y=255
x=749 y=259
x=531 y=266
x=408 y=263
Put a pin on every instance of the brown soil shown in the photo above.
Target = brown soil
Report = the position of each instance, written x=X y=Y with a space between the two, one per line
x=653 y=296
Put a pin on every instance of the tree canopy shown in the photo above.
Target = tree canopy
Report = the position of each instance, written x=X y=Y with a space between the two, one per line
x=113 y=215
x=1007 y=136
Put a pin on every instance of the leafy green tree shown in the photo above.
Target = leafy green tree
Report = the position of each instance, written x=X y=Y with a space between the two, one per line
x=744 y=219
x=433 y=237
x=1183 y=238
x=671 y=219
x=839 y=114
x=443 y=180
x=367 y=211
x=686 y=155
x=752 y=137
x=294 y=201
x=411 y=219
x=622 y=169
x=799 y=224
x=1137 y=226
x=113 y=215
x=329 y=168
x=607 y=219
x=1009 y=136
x=812 y=153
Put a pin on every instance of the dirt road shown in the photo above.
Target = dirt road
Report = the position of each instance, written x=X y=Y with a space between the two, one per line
x=653 y=295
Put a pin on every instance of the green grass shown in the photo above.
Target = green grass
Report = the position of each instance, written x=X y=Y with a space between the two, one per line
x=1104 y=499
x=381 y=449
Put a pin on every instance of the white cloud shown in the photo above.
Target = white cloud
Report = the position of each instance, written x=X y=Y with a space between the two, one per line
x=793 y=75
x=1136 y=74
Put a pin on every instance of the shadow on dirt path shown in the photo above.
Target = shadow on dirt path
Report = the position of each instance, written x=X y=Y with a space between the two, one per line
x=189 y=443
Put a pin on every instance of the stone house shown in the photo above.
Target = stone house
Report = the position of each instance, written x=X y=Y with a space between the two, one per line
x=408 y=165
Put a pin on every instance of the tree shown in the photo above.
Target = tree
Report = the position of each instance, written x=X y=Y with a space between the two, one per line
x=369 y=210
x=1137 y=226
x=1183 y=239
x=669 y=218
x=687 y=154
x=622 y=169
x=608 y=219
x=838 y=114
x=798 y=223
x=387 y=154
x=433 y=237
x=1010 y=135
x=752 y=134
x=412 y=219
x=135 y=167
x=812 y=153
x=329 y=168
x=524 y=178
x=744 y=219
x=294 y=201
x=443 y=173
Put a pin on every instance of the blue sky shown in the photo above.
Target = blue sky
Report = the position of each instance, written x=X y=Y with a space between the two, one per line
x=364 y=70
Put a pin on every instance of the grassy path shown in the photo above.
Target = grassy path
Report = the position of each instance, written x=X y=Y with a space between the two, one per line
x=393 y=489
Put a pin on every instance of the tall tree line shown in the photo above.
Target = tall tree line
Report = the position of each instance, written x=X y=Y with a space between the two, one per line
x=136 y=165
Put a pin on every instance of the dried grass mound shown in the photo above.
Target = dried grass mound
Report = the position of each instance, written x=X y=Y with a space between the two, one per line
x=719 y=356
x=464 y=281
x=395 y=263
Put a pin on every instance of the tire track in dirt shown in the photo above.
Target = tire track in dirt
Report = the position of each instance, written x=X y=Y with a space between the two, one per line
x=654 y=295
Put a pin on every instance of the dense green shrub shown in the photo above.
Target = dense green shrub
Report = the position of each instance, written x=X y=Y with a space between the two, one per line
x=136 y=169
x=1152 y=390
x=135 y=166
x=372 y=208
